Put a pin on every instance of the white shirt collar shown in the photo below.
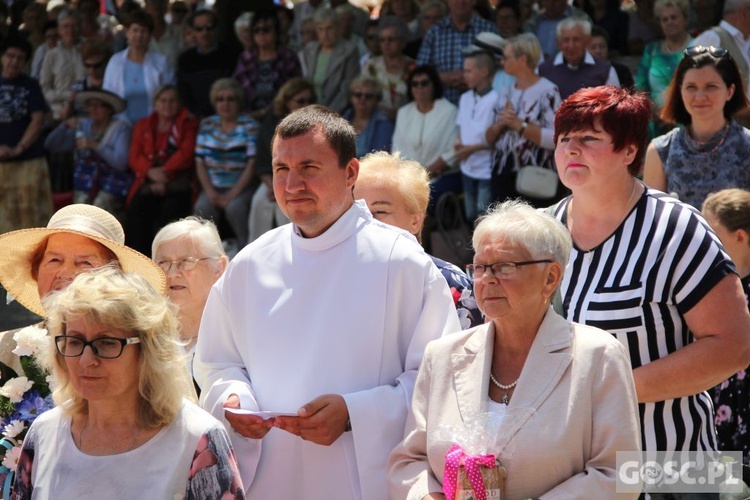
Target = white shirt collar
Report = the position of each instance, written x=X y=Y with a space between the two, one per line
x=587 y=59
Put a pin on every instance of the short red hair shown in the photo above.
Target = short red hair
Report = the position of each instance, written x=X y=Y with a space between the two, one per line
x=623 y=114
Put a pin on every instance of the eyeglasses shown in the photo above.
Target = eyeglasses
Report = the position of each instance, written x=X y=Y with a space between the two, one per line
x=226 y=99
x=420 y=83
x=186 y=264
x=388 y=39
x=700 y=49
x=500 y=270
x=262 y=29
x=302 y=101
x=103 y=347
x=94 y=65
x=363 y=95
x=200 y=29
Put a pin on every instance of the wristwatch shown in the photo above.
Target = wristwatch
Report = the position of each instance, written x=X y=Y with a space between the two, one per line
x=524 y=124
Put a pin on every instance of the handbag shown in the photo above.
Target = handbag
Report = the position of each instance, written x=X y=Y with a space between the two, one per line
x=534 y=181
x=452 y=239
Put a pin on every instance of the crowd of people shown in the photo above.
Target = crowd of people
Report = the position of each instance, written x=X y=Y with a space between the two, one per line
x=228 y=205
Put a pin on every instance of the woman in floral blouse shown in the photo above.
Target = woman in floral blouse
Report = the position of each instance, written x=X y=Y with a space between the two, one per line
x=728 y=214
x=266 y=65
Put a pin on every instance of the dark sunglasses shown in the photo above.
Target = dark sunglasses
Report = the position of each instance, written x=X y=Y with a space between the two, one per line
x=200 y=29
x=700 y=49
x=420 y=83
x=179 y=11
x=94 y=65
x=302 y=101
x=363 y=95
x=262 y=29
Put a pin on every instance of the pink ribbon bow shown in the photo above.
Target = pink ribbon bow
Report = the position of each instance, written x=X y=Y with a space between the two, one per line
x=471 y=464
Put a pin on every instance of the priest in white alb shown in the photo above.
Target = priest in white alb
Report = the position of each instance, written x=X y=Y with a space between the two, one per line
x=324 y=320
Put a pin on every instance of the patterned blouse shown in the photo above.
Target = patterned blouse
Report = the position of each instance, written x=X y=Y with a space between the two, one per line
x=226 y=154
x=695 y=172
x=262 y=80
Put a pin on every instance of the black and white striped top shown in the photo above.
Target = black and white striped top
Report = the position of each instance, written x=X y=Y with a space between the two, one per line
x=638 y=284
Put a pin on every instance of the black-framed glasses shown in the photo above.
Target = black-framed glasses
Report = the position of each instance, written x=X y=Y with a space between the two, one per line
x=420 y=83
x=500 y=270
x=186 y=264
x=103 y=347
x=701 y=49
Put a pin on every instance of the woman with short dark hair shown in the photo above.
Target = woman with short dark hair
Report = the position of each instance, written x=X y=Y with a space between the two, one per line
x=266 y=65
x=647 y=269
x=136 y=72
x=25 y=197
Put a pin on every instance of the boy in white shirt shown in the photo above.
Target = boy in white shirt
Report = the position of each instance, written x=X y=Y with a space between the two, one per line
x=475 y=115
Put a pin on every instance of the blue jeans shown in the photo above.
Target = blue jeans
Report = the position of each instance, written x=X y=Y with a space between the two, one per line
x=477 y=196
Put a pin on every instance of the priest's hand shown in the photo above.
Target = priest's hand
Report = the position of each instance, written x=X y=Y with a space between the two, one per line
x=249 y=426
x=321 y=421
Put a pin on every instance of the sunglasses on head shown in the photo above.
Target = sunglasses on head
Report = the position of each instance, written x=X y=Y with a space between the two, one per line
x=700 y=49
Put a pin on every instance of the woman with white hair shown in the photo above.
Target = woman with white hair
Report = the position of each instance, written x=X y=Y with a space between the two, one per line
x=190 y=253
x=392 y=67
x=125 y=422
x=331 y=62
x=524 y=129
x=63 y=65
x=523 y=365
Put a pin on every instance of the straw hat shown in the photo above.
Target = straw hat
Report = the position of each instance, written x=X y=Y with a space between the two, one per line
x=112 y=100
x=18 y=247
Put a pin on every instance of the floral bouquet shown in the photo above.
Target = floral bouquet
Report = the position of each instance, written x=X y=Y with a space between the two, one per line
x=22 y=399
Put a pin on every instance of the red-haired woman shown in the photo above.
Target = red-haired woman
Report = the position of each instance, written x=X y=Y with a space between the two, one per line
x=646 y=268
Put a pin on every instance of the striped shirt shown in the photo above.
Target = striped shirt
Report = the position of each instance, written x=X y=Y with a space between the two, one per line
x=638 y=285
x=226 y=154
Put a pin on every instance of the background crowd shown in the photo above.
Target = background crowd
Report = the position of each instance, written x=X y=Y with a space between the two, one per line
x=162 y=115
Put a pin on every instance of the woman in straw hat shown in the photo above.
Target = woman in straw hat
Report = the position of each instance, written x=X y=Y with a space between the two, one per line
x=101 y=142
x=77 y=238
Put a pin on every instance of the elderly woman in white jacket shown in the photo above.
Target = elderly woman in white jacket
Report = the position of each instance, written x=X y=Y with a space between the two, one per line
x=136 y=72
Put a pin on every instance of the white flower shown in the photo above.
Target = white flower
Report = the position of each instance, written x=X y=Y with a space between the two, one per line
x=14 y=428
x=29 y=340
x=15 y=387
x=11 y=458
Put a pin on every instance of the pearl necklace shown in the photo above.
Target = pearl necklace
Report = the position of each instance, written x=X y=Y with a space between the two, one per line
x=503 y=387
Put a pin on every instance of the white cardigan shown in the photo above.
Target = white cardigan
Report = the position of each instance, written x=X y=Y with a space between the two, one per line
x=156 y=69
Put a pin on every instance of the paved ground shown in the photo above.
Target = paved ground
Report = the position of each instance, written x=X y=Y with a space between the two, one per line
x=14 y=315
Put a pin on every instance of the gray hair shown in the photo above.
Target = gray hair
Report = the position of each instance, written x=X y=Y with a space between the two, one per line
x=526 y=44
x=732 y=6
x=228 y=84
x=402 y=29
x=66 y=13
x=432 y=4
x=324 y=15
x=367 y=81
x=683 y=5
x=243 y=21
x=542 y=235
x=574 y=22
x=201 y=232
